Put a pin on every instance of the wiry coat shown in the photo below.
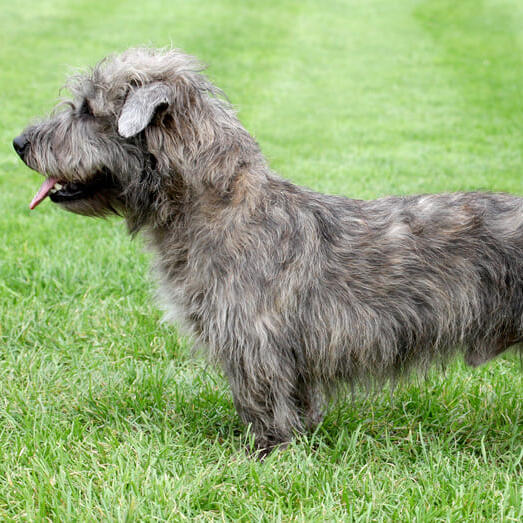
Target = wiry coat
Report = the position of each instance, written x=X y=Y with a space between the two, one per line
x=292 y=292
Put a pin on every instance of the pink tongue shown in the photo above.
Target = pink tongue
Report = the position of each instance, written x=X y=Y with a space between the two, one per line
x=43 y=191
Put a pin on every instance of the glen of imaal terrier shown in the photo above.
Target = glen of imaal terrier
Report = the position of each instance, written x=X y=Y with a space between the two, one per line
x=293 y=293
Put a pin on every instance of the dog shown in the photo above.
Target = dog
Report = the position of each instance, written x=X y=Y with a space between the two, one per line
x=293 y=293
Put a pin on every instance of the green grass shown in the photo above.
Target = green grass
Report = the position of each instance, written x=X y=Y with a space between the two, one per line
x=103 y=413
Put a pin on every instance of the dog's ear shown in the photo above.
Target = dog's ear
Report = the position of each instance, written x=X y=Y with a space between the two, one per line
x=140 y=107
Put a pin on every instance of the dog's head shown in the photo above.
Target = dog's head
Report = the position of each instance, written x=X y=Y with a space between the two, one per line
x=135 y=122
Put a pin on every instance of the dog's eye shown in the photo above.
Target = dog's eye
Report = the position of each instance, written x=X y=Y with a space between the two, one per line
x=85 y=109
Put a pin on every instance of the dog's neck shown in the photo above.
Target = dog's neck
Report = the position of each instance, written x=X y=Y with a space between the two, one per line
x=204 y=162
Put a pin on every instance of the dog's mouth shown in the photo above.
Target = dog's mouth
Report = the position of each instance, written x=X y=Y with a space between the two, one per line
x=60 y=191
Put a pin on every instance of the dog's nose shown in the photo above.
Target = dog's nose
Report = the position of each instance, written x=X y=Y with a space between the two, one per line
x=20 y=144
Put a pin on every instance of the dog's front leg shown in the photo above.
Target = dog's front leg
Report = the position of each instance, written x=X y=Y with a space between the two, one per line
x=264 y=396
x=312 y=403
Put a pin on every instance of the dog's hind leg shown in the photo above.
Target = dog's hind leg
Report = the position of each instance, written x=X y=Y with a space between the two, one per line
x=480 y=354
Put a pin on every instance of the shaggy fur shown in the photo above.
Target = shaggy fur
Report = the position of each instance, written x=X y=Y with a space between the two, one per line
x=291 y=291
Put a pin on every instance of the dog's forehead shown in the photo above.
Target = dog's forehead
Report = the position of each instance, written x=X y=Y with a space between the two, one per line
x=110 y=80
x=102 y=94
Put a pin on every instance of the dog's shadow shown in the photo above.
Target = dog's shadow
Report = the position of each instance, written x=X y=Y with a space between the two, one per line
x=457 y=411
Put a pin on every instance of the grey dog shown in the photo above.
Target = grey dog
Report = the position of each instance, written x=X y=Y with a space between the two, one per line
x=293 y=293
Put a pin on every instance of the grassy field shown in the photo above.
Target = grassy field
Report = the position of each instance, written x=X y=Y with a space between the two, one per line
x=103 y=413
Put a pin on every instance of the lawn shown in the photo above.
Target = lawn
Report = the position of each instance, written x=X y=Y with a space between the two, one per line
x=104 y=414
